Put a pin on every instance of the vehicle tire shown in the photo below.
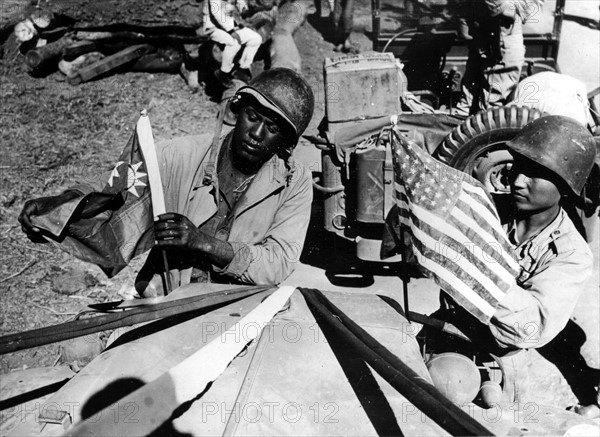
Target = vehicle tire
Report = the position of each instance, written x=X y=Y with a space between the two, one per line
x=478 y=145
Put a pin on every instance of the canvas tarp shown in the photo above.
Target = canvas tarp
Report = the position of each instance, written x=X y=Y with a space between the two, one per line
x=299 y=387
x=293 y=381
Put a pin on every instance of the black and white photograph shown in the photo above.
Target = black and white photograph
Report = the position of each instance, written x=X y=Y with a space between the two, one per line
x=299 y=218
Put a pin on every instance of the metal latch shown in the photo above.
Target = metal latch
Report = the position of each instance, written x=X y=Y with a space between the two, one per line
x=54 y=417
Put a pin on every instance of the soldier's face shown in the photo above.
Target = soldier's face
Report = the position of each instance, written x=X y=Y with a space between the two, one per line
x=533 y=187
x=257 y=136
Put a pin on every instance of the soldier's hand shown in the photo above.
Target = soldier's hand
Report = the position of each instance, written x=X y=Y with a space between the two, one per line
x=176 y=230
x=40 y=206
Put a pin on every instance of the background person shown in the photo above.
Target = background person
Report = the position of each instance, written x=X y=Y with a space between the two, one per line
x=494 y=33
x=220 y=25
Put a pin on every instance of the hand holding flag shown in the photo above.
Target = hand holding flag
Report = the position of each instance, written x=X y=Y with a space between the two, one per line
x=455 y=232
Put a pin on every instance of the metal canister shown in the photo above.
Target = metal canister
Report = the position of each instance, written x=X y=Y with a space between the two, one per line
x=370 y=184
x=333 y=194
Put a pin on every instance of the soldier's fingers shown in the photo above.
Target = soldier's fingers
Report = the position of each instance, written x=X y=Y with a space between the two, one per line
x=168 y=226
x=167 y=233
x=170 y=216
x=175 y=242
x=26 y=225
x=36 y=238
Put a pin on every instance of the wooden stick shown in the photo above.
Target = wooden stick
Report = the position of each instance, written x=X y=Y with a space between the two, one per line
x=404 y=273
x=80 y=328
x=167 y=273
x=110 y=63
x=423 y=319
x=144 y=132
x=14 y=275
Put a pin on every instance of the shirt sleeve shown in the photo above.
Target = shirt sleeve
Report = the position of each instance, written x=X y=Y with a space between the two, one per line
x=274 y=259
x=532 y=314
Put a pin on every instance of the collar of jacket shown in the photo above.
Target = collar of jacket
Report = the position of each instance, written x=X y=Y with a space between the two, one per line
x=534 y=244
x=271 y=177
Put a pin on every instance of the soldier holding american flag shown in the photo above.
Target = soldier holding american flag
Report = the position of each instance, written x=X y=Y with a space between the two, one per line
x=512 y=290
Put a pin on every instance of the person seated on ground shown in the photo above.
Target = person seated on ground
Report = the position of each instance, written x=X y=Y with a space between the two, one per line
x=238 y=211
x=553 y=157
x=221 y=26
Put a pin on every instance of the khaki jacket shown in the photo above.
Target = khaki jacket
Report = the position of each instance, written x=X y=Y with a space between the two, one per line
x=555 y=267
x=270 y=220
x=267 y=233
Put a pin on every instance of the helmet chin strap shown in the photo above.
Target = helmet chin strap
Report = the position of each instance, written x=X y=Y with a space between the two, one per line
x=211 y=166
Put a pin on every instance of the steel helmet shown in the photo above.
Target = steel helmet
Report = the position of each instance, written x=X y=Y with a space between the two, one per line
x=560 y=144
x=455 y=376
x=283 y=91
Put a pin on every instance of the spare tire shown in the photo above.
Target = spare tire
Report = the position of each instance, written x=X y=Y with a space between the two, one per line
x=478 y=145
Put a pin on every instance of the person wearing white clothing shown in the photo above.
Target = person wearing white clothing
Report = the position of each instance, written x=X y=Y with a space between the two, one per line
x=220 y=25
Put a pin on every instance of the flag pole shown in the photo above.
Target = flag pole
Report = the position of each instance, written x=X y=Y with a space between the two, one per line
x=404 y=276
x=144 y=132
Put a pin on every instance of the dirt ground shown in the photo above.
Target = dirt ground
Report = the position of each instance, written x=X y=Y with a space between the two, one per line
x=54 y=133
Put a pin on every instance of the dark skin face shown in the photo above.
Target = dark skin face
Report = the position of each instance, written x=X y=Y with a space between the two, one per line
x=258 y=135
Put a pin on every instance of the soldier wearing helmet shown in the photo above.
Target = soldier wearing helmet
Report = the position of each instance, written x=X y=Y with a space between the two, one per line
x=240 y=206
x=553 y=157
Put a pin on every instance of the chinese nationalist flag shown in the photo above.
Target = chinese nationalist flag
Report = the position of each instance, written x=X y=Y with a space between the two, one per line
x=453 y=229
x=113 y=237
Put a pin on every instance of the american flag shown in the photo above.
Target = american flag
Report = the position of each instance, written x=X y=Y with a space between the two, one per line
x=455 y=232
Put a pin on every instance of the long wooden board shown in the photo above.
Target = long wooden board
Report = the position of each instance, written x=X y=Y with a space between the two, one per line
x=83 y=327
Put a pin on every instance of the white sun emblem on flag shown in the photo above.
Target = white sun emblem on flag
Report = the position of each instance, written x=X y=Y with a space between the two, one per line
x=133 y=178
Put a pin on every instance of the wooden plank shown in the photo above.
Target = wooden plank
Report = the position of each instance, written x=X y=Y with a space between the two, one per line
x=83 y=327
x=38 y=57
x=111 y=62
x=78 y=49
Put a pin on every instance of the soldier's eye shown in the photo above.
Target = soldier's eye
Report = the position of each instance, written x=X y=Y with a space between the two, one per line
x=251 y=114
x=273 y=128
